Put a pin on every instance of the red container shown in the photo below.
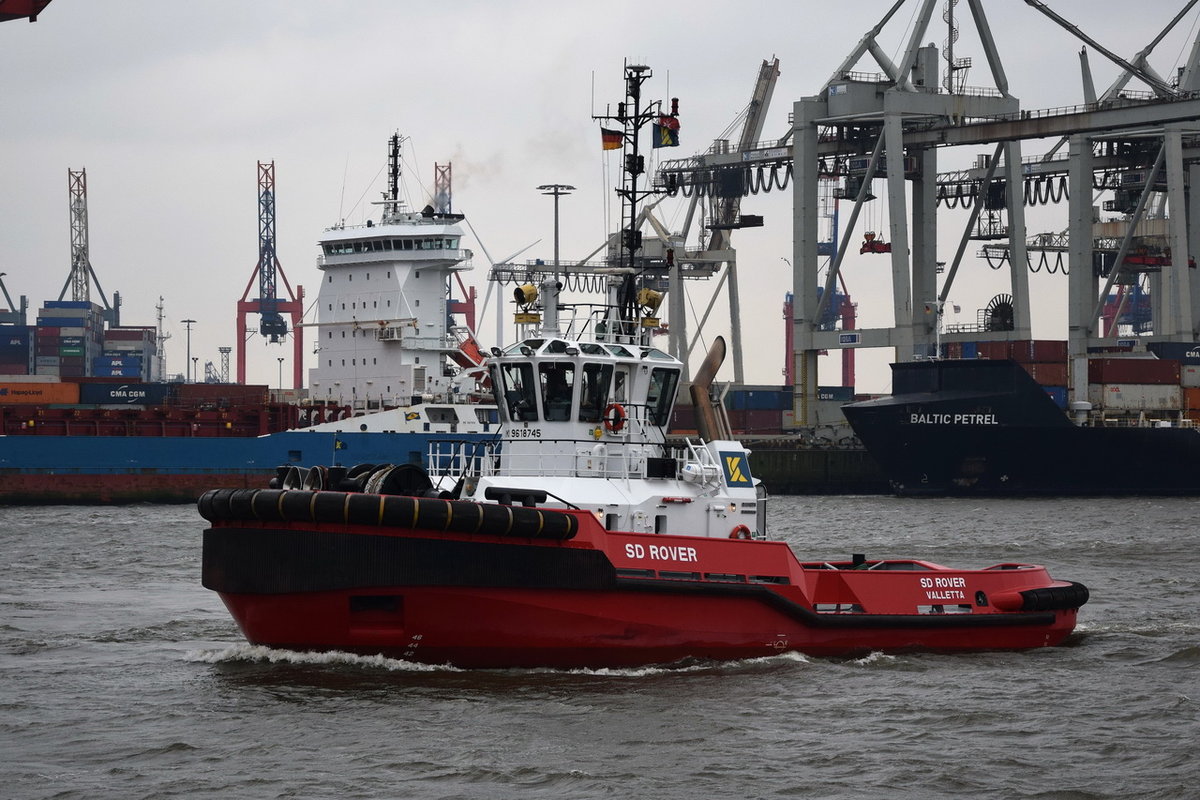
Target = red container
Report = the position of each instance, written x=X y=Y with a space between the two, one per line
x=1040 y=351
x=225 y=394
x=129 y=335
x=1133 y=370
x=1048 y=374
x=995 y=350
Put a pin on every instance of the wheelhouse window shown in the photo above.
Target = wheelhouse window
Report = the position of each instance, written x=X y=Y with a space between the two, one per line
x=661 y=396
x=520 y=393
x=593 y=391
x=558 y=382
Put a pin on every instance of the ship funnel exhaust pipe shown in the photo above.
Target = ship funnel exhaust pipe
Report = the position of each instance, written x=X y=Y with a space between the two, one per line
x=709 y=424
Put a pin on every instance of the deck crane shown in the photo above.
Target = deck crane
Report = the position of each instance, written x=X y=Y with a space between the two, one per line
x=273 y=327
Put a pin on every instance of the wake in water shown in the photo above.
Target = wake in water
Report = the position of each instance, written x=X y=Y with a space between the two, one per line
x=250 y=654
x=247 y=653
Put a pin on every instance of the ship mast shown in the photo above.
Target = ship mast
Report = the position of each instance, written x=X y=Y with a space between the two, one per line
x=623 y=318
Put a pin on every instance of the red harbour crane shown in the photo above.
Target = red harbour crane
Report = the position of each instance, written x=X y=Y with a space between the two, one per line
x=269 y=306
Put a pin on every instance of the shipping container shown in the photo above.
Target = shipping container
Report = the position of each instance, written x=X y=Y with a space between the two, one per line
x=995 y=350
x=1133 y=370
x=1135 y=397
x=1058 y=394
x=839 y=394
x=1048 y=374
x=71 y=361
x=14 y=335
x=71 y=372
x=1184 y=352
x=46 y=361
x=62 y=322
x=8 y=370
x=72 y=341
x=86 y=305
x=68 y=331
x=226 y=394
x=117 y=362
x=1191 y=398
x=952 y=350
x=128 y=393
x=130 y=334
x=70 y=351
x=52 y=332
x=1039 y=351
x=18 y=393
x=970 y=349
x=117 y=372
x=31 y=379
x=1189 y=375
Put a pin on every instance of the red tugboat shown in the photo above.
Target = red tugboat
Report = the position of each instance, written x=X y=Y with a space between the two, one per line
x=578 y=539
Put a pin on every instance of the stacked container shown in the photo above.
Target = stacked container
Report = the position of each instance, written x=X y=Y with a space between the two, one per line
x=128 y=353
x=1134 y=384
x=67 y=337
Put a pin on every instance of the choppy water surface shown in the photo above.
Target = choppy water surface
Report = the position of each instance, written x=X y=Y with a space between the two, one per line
x=121 y=677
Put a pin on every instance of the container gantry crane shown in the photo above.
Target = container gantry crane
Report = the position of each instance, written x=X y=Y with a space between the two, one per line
x=273 y=327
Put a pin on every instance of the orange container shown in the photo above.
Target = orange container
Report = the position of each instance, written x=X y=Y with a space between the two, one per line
x=15 y=394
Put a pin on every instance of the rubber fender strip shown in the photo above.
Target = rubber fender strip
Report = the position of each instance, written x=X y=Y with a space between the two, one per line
x=379 y=518
x=312 y=507
x=449 y=514
x=346 y=508
x=813 y=619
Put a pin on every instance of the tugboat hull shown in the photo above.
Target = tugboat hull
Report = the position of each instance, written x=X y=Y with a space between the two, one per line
x=547 y=588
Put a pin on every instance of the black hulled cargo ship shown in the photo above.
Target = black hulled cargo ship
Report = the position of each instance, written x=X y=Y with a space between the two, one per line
x=987 y=427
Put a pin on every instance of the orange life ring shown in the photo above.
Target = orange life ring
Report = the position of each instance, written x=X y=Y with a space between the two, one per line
x=740 y=532
x=614 y=417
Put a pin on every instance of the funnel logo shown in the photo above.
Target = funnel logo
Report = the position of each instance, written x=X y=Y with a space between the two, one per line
x=737 y=469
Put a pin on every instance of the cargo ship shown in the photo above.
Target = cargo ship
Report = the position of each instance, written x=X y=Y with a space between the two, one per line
x=86 y=418
x=1001 y=424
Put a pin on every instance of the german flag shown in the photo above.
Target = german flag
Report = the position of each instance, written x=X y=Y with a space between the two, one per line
x=610 y=139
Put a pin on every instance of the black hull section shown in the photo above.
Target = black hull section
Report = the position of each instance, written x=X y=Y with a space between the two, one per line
x=985 y=428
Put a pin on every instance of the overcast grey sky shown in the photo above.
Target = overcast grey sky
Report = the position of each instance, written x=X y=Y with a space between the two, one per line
x=170 y=104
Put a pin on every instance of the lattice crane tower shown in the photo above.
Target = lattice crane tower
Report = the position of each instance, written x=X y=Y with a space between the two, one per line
x=269 y=306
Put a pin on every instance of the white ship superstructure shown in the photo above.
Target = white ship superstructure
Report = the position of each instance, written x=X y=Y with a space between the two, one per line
x=384 y=331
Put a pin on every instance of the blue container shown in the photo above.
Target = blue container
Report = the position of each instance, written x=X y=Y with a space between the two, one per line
x=117 y=362
x=970 y=349
x=80 y=304
x=61 y=322
x=117 y=372
x=1058 y=394
x=1184 y=352
x=134 y=394
x=12 y=335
